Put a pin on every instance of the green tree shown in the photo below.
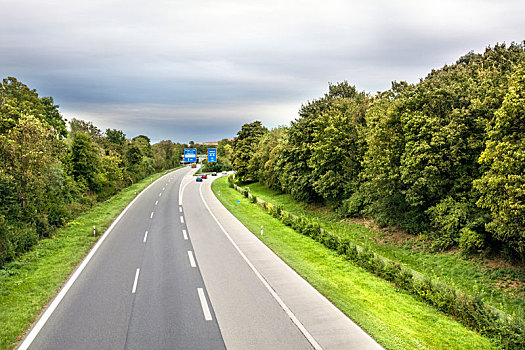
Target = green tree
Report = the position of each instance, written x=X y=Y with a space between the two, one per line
x=304 y=138
x=85 y=162
x=338 y=147
x=260 y=165
x=17 y=100
x=111 y=175
x=26 y=151
x=244 y=146
x=86 y=127
x=165 y=155
x=502 y=186
x=116 y=137
x=380 y=178
x=225 y=151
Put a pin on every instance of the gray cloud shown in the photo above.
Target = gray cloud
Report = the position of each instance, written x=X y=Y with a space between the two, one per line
x=206 y=68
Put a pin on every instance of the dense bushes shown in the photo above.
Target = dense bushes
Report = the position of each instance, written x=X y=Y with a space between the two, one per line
x=443 y=157
x=469 y=310
x=49 y=175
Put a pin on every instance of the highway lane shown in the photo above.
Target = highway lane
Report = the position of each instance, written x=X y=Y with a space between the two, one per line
x=249 y=316
x=259 y=300
x=140 y=289
x=169 y=276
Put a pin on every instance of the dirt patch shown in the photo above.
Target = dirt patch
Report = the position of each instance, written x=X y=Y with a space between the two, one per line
x=500 y=263
x=511 y=286
x=319 y=209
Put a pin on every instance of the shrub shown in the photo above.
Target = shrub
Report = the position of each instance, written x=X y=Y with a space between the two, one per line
x=471 y=311
x=471 y=241
x=447 y=218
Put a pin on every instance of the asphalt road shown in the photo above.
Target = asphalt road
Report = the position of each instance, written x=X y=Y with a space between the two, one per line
x=177 y=271
x=139 y=291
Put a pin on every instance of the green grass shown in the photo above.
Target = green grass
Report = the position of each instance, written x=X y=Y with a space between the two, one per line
x=391 y=316
x=473 y=276
x=28 y=284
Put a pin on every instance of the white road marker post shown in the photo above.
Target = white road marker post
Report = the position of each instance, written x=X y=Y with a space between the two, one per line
x=94 y=231
x=262 y=232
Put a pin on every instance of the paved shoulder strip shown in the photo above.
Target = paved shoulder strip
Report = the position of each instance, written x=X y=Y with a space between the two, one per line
x=290 y=314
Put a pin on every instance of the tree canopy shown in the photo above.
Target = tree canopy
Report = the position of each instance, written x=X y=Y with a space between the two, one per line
x=443 y=157
x=49 y=175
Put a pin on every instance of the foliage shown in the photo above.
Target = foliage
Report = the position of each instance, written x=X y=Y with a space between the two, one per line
x=442 y=158
x=218 y=166
x=84 y=161
x=318 y=156
x=263 y=164
x=48 y=176
x=244 y=147
x=469 y=310
x=502 y=186
x=17 y=100
x=390 y=315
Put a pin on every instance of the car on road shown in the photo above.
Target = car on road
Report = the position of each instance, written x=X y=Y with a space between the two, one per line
x=214 y=174
x=204 y=176
x=198 y=179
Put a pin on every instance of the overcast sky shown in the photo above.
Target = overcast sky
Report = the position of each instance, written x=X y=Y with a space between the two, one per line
x=198 y=70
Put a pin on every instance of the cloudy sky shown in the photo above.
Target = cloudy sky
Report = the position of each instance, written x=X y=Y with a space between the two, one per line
x=198 y=70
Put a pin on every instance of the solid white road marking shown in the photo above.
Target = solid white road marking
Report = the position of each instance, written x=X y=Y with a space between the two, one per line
x=204 y=304
x=185 y=234
x=135 y=282
x=181 y=219
x=192 y=259
x=54 y=304
x=151 y=216
x=145 y=236
x=277 y=298
x=181 y=190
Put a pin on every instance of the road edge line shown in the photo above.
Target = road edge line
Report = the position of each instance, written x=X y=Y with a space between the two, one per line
x=274 y=294
x=69 y=283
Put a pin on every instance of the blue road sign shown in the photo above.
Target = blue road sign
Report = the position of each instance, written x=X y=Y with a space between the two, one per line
x=212 y=155
x=190 y=155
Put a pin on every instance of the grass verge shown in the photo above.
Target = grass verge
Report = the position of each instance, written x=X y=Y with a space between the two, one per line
x=28 y=284
x=499 y=284
x=392 y=317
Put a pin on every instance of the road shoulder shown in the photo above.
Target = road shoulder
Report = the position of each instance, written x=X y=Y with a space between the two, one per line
x=330 y=328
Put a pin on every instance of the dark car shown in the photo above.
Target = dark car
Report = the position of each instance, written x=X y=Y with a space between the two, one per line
x=198 y=179
x=214 y=174
x=204 y=176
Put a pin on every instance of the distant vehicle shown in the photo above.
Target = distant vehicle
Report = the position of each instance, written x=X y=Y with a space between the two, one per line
x=193 y=165
x=198 y=179
x=204 y=176
x=214 y=174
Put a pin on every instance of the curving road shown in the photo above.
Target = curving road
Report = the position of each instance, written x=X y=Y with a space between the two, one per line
x=177 y=271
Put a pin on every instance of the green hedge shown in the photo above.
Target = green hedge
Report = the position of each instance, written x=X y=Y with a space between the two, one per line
x=469 y=310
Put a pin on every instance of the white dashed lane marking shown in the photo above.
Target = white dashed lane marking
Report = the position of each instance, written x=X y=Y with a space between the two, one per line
x=133 y=290
x=192 y=259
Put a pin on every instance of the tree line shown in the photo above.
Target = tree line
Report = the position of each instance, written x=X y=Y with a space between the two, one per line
x=48 y=175
x=444 y=157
